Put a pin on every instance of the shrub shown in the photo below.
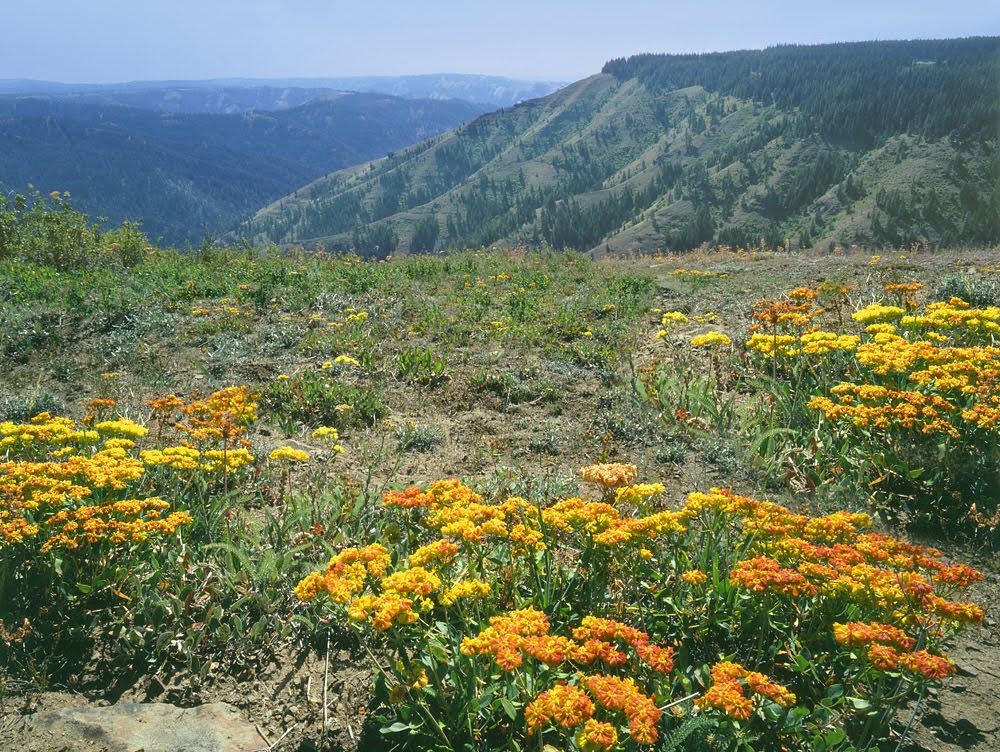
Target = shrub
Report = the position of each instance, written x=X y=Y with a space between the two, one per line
x=49 y=231
x=315 y=399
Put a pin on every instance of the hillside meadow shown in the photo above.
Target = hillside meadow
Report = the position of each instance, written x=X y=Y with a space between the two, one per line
x=510 y=499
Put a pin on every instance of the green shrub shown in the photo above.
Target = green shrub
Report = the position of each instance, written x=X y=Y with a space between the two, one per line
x=316 y=399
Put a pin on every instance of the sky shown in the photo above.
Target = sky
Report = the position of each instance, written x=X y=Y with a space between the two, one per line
x=107 y=41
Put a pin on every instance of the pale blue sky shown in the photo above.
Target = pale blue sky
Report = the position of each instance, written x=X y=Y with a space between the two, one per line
x=125 y=40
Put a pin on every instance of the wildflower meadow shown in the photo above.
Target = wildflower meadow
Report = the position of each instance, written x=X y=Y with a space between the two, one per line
x=537 y=501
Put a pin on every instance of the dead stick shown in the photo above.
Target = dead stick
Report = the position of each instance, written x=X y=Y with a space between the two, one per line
x=326 y=674
x=282 y=737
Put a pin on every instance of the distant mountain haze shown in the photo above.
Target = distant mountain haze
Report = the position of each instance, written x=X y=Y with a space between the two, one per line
x=231 y=95
x=187 y=175
x=874 y=143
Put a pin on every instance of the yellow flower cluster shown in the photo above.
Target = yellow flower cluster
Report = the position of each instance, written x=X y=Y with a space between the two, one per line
x=821 y=343
x=909 y=377
x=329 y=436
x=122 y=427
x=811 y=343
x=226 y=460
x=671 y=320
x=638 y=493
x=698 y=273
x=345 y=574
x=225 y=306
x=178 y=458
x=956 y=317
x=46 y=432
x=58 y=490
x=878 y=313
x=288 y=455
x=396 y=598
x=189 y=458
x=772 y=345
x=711 y=339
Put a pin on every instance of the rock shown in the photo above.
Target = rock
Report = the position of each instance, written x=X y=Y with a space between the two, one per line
x=149 y=727
x=966 y=670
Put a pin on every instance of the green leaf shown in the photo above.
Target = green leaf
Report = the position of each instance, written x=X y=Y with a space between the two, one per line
x=834 y=737
x=508 y=708
x=395 y=728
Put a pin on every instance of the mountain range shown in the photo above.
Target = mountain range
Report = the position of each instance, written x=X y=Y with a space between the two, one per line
x=187 y=176
x=231 y=95
x=188 y=160
x=874 y=143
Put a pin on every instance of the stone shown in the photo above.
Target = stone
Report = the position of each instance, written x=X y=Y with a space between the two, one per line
x=148 y=727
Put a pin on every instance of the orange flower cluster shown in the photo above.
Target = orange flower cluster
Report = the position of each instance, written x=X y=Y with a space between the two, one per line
x=118 y=522
x=695 y=577
x=730 y=682
x=881 y=407
x=889 y=649
x=222 y=417
x=565 y=705
x=512 y=636
x=411 y=497
x=625 y=696
x=216 y=423
x=795 y=312
x=609 y=475
x=827 y=557
x=763 y=574
x=568 y=705
x=345 y=573
x=502 y=640
x=823 y=566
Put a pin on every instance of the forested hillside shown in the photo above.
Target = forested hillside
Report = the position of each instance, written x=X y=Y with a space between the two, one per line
x=187 y=176
x=877 y=143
